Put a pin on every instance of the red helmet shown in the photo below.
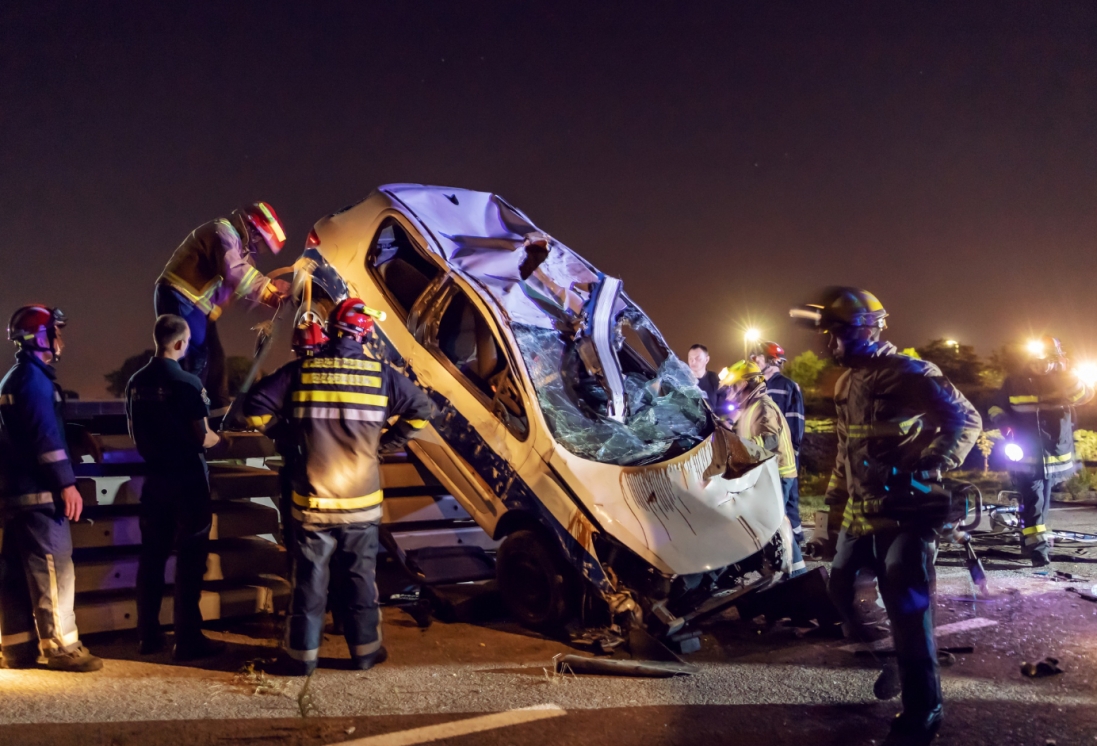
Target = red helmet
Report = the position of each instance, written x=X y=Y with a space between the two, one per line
x=351 y=317
x=29 y=321
x=771 y=351
x=264 y=219
x=308 y=337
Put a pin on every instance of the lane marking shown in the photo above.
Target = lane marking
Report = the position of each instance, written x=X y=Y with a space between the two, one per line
x=455 y=728
x=948 y=629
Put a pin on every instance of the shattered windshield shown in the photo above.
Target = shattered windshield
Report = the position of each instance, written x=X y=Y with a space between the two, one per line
x=666 y=412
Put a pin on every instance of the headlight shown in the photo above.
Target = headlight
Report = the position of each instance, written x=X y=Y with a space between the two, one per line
x=1014 y=452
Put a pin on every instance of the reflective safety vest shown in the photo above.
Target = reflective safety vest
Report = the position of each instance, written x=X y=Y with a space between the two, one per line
x=762 y=422
x=1039 y=411
x=330 y=411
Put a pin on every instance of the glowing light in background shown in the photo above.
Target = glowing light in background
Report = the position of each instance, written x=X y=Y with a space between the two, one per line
x=1086 y=372
x=1014 y=452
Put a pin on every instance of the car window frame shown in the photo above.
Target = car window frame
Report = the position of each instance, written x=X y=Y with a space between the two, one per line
x=397 y=306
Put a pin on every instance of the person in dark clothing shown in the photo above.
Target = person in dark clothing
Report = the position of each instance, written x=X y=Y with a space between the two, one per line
x=895 y=415
x=214 y=266
x=786 y=394
x=1035 y=411
x=38 y=498
x=330 y=410
x=708 y=381
x=167 y=411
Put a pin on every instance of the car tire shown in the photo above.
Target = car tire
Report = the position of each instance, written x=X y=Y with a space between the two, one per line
x=537 y=587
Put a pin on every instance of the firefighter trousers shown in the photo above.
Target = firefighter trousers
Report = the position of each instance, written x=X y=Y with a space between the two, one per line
x=344 y=555
x=903 y=564
x=1035 y=502
x=37 y=585
x=176 y=513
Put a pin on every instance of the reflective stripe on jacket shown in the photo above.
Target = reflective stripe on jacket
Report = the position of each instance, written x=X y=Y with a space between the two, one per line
x=762 y=422
x=893 y=410
x=34 y=457
x=1039 y=411
x=329 y=410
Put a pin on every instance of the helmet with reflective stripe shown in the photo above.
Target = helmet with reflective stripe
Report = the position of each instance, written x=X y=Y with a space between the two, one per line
x=308 y=337
x=351 y=317
x=29 y=321
x=1045 y=348
x=841 y=307
x=262 y=217
x=771 y=351
x=744 y=370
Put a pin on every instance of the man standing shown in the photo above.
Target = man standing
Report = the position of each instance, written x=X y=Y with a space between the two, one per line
x=896 y=415
x=1035 y=411
x=335 y=406
x=214 y=266
x=38 y=498
x=758 y=419
x=167 y=412
x=786 y=394
x=707 y=380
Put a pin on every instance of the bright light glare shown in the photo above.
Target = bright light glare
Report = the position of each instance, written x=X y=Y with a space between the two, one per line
x=752 y=335
x=951 y=343
x=1014 y=452
x=1087 y=373
x=1035 y=348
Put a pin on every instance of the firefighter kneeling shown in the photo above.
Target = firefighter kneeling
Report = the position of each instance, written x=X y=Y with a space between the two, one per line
x=331 y=408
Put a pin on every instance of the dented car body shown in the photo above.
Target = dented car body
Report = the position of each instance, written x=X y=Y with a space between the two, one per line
x=561 y=413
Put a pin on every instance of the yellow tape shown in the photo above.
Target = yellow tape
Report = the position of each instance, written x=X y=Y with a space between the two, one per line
x=1034 y=530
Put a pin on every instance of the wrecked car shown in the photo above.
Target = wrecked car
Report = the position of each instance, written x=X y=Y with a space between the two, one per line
x=565 y=425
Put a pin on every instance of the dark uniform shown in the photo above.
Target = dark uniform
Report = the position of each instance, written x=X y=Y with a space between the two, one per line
x=212 y=267
x=786 y=394
x=37 y=579
x=335 y=406
x=710 y=385
x=894 y=412
x=1039 y=411
x=163 y=403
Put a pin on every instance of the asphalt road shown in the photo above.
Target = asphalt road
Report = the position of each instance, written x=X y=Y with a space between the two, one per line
x=470 y=683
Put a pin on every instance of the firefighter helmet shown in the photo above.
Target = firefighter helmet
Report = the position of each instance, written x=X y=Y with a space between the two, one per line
x=771 y=351
x=1045 y=348
x=264 y=220
x=308 y=337
x=841 y=307
x=29 y=321
x=744 y=370
x=351 y=317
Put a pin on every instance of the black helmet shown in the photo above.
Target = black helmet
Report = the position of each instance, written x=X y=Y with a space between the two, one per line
x=839 y=307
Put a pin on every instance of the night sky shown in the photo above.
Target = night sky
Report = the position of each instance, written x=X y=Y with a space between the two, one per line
x=724 y=159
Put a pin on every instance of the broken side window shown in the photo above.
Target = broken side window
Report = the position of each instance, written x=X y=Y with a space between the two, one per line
x=467 y=340
x=403 y=270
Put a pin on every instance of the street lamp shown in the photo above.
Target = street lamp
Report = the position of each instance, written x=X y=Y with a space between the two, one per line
x=750 y=337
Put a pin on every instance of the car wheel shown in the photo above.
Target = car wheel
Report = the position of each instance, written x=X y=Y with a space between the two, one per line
x=536 y=586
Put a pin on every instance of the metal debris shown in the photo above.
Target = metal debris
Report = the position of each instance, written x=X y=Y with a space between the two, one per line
x=1047 y=667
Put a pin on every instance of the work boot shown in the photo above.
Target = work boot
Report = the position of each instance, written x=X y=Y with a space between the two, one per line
x=152 y=645
x=74 y=661
x=1040 y=559
x=286 y=666
x=196 y=649
x=915 y=730
x=366 y=662
x=29 y=660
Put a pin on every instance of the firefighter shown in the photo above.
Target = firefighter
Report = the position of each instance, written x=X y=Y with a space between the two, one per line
x=895 y=414
x=786 y=394
x=757 y=418
x=168 y=416
x=213 y=266
x=335 y=406
x=1034 y=410
x=38 y=498
x=708 y=381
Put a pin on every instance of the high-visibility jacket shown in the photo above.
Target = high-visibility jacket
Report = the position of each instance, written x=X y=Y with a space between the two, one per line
x=34 y=457
x=761 y=421
x=213 y=266
x=1039 y=411
x=329 y=411
x=893 y=410
x=788 y=397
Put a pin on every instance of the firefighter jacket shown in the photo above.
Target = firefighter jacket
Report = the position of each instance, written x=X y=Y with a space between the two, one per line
x=1039 y=411
x=214 y=266
x=786 y=394
x=34 y=457
x=329 y=411
x=761 y=422
x=893 y=411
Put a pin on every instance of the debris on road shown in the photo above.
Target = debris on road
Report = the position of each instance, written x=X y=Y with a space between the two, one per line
x=1083 y=595
x=578 y=664
x=1047 y=667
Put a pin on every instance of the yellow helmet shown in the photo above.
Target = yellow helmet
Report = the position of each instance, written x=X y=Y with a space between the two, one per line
x=740 y=371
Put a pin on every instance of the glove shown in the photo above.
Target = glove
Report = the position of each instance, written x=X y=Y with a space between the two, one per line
x=932 y=465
